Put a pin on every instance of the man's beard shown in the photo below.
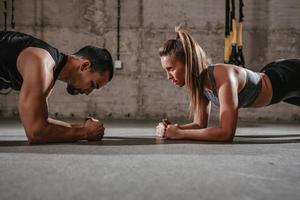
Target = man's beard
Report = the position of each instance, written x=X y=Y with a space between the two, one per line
x=72 y=90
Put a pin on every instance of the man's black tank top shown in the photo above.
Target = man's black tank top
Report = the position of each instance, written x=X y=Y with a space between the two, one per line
x=11 y=45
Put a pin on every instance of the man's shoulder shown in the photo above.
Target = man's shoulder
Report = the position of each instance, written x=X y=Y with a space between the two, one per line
x=36 y=56
x=36 y=61
x=37 y=53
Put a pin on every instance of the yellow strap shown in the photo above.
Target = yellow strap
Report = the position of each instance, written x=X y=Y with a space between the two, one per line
x=240 y=35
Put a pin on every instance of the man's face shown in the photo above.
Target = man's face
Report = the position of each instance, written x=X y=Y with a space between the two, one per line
x=84 y=81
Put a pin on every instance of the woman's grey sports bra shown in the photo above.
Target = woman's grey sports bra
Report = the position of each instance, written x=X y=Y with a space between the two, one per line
x=246 y=96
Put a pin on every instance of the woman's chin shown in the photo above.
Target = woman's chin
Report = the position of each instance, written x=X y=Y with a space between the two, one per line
x=180 y=84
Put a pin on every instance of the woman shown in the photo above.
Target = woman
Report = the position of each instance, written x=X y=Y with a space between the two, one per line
x=228 y=86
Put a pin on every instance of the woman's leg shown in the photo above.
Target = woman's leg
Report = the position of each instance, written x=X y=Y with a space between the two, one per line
x=285 y=79
x=293 y=100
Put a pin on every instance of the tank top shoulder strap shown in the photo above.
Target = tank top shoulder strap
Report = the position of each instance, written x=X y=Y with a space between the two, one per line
x=59 y=66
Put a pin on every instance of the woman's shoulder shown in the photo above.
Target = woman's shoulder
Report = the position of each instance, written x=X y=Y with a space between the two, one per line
x=221 y=68
x=225 y=72
x=228 y=67
x=225 y=66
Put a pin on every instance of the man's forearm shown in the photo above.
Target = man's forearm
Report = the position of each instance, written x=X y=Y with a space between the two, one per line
x=58 y=131
x=70 y=125
x=58 y=122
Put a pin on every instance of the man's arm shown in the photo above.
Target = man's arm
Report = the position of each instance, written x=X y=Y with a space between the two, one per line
x=35 y=67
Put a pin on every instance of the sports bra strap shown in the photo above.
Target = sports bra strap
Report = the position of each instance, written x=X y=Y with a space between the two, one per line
x=212 y=78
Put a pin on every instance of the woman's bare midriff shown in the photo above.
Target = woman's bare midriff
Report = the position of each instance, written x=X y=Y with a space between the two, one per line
x=265 y=96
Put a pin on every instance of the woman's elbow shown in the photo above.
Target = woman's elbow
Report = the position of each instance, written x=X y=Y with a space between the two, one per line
x=227 y=136
x=229 y=139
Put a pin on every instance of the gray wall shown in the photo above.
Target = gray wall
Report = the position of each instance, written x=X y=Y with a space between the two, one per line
x=141 y=90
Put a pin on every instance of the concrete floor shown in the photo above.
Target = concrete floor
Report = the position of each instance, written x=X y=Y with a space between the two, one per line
x=262 y=163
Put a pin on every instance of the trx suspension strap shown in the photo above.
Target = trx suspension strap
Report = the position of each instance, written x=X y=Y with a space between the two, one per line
x=227 y=32
x=13 y=14
x=5 y=14
x=233 y=34
x=240 y=56
x=5 y=11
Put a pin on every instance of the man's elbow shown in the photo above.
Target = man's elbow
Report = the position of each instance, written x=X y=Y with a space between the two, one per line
x=34 y=135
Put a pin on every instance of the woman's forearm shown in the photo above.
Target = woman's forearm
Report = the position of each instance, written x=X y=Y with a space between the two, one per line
x=207 y=134
x=192 y=125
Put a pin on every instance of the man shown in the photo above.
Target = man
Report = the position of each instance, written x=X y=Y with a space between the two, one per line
x=32 y=66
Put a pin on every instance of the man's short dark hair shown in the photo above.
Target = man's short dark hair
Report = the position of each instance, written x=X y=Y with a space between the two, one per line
x=100 y=58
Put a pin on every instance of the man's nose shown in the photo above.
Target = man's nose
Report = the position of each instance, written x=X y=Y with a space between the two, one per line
x=169 y=76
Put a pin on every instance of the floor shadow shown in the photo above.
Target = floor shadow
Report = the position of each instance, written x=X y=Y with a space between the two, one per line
x=266 y=139
x=132 y=141
x=243 y=139
x=13 y=143
x=268 y=136
x=109 y=141
x=148 y=146
x=142 y=141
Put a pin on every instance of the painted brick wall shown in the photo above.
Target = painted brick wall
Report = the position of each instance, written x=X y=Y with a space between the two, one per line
x=140 y=90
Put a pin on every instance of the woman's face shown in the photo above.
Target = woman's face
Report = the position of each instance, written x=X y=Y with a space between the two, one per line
x=175 y=70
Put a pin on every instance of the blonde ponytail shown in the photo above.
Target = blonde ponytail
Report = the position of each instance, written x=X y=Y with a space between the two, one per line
x=196 y=64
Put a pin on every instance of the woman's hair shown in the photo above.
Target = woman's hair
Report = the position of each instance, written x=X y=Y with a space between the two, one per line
x=188 y=52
